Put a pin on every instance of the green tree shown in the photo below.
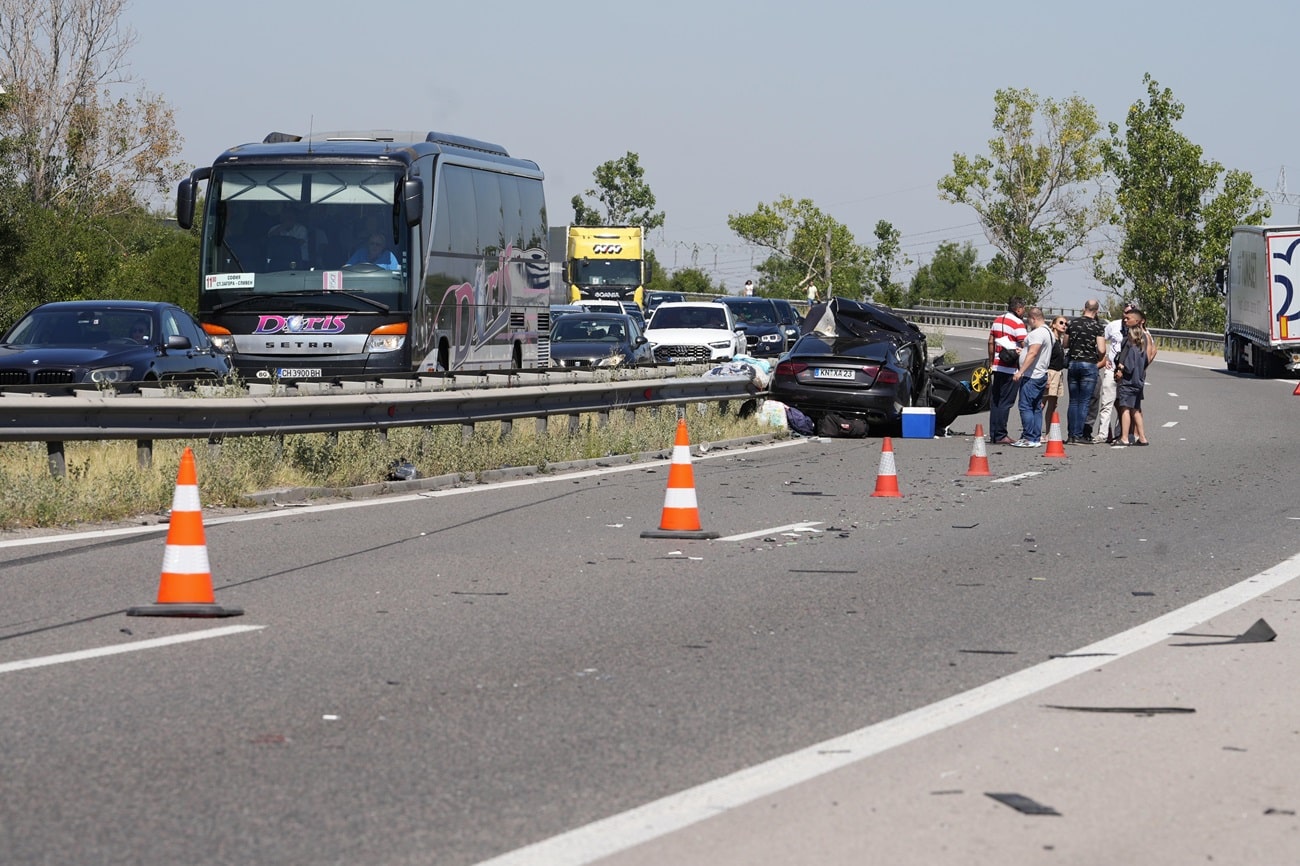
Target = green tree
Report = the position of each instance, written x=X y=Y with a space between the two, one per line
x=78 y=140
x=622 y=191
x=1175 y=216
x=691 y=281
x=886 y=258
x=806 y=246
x=1027 y=191
x=955 y=274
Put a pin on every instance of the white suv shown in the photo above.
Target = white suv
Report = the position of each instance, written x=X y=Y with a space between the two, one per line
x=694 y=333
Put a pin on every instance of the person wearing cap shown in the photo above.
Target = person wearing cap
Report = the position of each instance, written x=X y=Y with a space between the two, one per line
x=1114 y=336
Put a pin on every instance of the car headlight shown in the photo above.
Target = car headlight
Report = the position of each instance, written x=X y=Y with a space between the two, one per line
x=110 y=375
x=725 y=344
x=770 y=338
x=611 y=361
x=385 y=342
x=223 y=342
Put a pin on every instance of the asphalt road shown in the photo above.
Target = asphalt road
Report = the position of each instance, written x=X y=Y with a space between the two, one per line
x=446 y=678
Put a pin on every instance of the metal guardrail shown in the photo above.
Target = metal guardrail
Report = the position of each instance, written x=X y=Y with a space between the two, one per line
x=1190 y=341
x=146 y=417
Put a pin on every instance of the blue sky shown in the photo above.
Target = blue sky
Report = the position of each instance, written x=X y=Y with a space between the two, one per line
x=858 y=107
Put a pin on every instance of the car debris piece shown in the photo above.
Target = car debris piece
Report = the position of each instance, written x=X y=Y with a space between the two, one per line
x=1023 y=804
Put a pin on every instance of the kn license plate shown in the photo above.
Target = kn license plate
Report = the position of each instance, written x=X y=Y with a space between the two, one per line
x=298 y=373
x=831 y=373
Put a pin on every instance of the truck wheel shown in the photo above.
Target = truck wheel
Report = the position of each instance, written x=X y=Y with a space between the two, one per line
x=1232 y=354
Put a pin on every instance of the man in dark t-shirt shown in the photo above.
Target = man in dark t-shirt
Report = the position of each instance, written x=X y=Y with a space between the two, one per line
x=1087 y=354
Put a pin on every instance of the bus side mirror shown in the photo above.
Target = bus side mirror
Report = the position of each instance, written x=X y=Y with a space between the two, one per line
x=185 y=197
x=413 y=197
x=185 y=203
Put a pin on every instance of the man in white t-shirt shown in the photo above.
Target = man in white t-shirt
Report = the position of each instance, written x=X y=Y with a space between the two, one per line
x=1032 y=376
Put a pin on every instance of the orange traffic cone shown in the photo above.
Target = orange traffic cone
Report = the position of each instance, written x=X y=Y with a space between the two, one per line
x=1055 y=447
x=887 y=478
x=186 y=586
x=681 y=516
x=979 y=458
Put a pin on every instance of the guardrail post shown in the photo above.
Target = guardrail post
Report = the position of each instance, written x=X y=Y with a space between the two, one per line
x=575 y=424
x=144 y=453
x=539 y=425
x=214 y=446
x=54 y=455
x=507 y=426
x=466 y=433
x=602 y=419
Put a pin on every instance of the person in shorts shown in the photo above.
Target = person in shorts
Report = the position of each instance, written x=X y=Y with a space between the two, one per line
x=1056 y=368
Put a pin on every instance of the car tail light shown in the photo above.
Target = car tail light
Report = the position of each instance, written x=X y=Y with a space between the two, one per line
x=886 y=377
x=790 y=368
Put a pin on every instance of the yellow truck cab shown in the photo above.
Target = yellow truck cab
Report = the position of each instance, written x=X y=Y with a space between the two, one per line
x=606 y=263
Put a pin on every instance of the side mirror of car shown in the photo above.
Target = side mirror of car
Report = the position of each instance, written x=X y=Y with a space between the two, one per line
x=641 y=340
x=178 y=342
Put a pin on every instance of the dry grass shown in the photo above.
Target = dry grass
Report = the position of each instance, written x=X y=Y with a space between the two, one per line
x=103 y=481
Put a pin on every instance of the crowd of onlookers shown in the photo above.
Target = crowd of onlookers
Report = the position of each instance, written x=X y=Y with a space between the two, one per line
x=1099 y=366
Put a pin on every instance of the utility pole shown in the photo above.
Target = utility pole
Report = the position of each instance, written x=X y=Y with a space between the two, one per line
x=828 y=262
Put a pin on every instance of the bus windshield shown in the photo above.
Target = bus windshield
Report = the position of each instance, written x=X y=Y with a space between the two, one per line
x=295 y=230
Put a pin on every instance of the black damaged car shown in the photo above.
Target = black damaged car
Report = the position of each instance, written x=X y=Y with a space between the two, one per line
x=862 y=360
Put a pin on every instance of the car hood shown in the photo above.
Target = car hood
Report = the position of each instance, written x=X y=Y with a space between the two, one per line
x=586 y=349
x=71 y=356
x=760 y=328
x=687 y=335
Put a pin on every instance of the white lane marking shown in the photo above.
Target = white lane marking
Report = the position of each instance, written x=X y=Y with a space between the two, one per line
x=1020 y=477
x=1170 y=424
x=391 y=499
x=99 y=652
x=619 y=832
x=1172 y=394
x=1182 y=408
x=791 y=527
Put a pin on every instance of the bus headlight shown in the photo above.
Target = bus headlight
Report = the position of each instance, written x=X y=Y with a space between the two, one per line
x=385 y=342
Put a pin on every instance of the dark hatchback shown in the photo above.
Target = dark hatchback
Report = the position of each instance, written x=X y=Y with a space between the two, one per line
x=765 y=336
x=107 y=343
x=862 y=360
x=599 y=340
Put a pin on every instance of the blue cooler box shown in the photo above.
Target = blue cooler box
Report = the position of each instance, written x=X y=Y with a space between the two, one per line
x=918 y=422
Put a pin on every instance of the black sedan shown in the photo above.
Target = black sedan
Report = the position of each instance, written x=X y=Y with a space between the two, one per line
x=765 y=336
x=861 y=360
x=599 y=340
x=107 y=343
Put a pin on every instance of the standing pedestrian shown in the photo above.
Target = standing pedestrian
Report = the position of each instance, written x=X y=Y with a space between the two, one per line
x=1056 y=366
x=1136 y=355
x=1114 y=338
x=1086 y=353
x=749 y=289
x=812 y=294
x=1005 y=339
x=1032 y=376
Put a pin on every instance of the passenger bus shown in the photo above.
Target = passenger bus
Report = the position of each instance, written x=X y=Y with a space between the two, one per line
x=362 y=254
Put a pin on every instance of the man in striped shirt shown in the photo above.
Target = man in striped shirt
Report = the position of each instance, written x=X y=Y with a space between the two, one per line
x=1007 y=334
